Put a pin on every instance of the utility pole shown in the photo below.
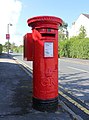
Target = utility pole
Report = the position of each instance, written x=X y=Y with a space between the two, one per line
x=8 y=35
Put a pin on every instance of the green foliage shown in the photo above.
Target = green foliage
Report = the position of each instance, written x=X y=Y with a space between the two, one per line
x=18 y=49
x=5 y=46
x=63 y=32
x=74 y=48
x=82 y=32
x=13 y=47
x=64 y=48
x=1 y=47
x=61 y=36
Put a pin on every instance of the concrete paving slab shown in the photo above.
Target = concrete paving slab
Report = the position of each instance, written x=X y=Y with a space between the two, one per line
x=16 y=95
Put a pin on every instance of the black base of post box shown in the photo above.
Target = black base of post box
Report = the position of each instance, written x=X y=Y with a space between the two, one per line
x=46 y=105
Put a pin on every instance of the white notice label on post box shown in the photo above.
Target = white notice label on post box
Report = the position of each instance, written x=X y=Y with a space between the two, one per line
x=48 y=49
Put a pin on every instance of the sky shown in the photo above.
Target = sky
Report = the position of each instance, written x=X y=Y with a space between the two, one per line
x=17 y=12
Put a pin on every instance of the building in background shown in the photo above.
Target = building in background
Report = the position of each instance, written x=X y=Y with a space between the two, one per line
x=83 y=20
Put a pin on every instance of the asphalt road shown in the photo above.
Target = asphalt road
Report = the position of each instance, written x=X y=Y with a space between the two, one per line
x=73 y=76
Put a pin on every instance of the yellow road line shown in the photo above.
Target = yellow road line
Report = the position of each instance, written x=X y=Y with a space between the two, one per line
x=64 y=95
x=75 y=103
x=18 y=61
x=25 y=70
x=23 y=63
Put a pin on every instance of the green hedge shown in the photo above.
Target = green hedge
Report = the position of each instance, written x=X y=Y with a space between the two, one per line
x=0 y=48
x=75 y=48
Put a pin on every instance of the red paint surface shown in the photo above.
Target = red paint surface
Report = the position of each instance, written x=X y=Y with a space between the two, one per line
x=28 y=47
x=45 y=69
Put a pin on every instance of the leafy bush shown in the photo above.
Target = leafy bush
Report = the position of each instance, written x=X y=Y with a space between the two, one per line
x=75 y=48
x=1 y=48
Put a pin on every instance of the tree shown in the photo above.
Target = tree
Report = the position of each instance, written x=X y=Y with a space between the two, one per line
x=1 y=48
x=82 y=32
x=6 y=46
x=13 y=46
x=63 y=32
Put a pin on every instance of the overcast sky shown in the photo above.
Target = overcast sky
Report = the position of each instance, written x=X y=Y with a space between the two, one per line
x=17 y=12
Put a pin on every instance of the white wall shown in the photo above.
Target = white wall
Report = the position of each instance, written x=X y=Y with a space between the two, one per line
x=82 y=20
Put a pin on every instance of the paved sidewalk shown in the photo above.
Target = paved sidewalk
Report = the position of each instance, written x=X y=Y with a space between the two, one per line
x=16 y=95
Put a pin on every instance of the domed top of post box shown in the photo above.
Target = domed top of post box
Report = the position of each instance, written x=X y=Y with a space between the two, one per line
x=44 y=22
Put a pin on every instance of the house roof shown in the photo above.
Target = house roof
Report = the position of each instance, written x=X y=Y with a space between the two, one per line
x=87 y=15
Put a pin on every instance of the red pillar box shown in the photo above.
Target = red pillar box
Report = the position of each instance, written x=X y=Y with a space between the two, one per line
x=28 y=47
x=45 y=63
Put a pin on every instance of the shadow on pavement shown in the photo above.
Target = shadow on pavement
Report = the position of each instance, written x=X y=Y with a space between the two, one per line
x=77 y=85
x=15 y=88
x=22 y=96
x=16 y=95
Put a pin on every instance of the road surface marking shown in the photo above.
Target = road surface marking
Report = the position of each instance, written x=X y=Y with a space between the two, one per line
x=24 y=64
x=78 y=69
x=74 y=102
x=77 y=62
x=67 y=97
